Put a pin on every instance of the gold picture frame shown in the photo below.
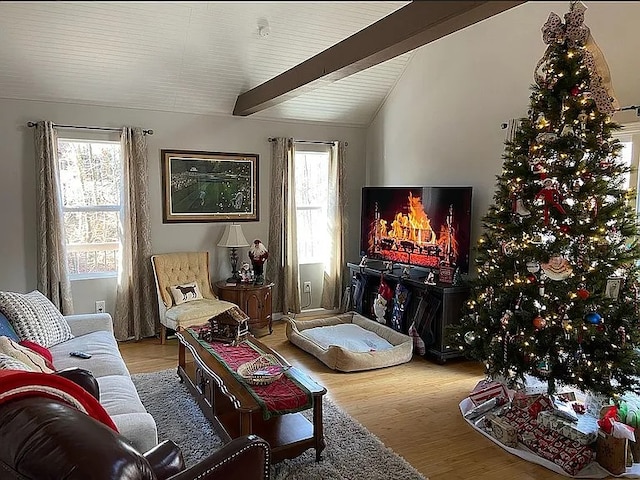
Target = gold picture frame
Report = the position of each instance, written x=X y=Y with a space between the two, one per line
x=209 y=186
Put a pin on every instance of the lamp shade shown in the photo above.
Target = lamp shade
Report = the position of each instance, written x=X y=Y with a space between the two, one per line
x=233 y=237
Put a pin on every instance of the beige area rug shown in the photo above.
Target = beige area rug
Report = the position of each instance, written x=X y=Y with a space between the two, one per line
x=352 y=452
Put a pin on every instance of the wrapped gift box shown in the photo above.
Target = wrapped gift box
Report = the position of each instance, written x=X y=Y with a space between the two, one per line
x=503 y=431
x=523 y=400
x=594 y=403
x=486 y=390
x=584 y=431
x=533 y=404
x=568 y=454
x=541 y=404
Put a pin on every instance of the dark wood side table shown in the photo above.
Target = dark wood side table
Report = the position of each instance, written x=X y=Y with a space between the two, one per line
x=254 y=300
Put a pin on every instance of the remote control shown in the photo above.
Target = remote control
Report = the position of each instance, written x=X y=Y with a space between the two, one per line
x=80 y=354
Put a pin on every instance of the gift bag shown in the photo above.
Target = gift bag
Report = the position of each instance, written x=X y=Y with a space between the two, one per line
x=611 y=453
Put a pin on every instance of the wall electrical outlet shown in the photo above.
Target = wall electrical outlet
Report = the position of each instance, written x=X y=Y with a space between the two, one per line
x=100 y=306
x=306 y=287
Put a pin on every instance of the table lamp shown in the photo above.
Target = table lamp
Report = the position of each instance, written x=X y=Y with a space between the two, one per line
x=233 y=238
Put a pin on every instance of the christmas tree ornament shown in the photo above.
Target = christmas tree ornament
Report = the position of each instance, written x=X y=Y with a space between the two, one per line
x=518 y=304
x=539 y=322
x=623 y=335
x=551 y=198
x=506 y=316
x=567 y=327
x=531 y=278
x=469 y=337
x=558 y=268
x=539 y=169
x=520 y=209
x=605 y=163
x=541 y=288
x=582 y=293
x=567 y=130
x=542 y=367
x=582 y=117
x=537 y=239
x=575 y=91
x=577 y=184
x=533 y=266
x=594 y=318
x=507 y=248
x=546 y=137
x=592 y=206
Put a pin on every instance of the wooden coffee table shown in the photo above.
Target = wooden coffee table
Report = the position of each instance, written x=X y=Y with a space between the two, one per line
x=234 y=412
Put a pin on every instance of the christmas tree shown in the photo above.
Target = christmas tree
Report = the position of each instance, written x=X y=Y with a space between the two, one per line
x=556 y=295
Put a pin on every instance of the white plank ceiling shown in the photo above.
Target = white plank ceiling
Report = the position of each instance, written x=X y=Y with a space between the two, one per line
x=193 y=57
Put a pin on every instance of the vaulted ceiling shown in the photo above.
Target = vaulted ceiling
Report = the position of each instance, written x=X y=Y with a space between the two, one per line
x=201 y=57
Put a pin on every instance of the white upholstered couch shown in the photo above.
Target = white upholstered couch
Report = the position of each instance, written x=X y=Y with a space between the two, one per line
x=93 y=334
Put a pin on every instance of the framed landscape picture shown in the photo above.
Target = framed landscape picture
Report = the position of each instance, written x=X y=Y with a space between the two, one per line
x=209 y=186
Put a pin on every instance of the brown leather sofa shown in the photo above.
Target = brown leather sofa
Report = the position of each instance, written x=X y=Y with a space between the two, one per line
x=43 y=438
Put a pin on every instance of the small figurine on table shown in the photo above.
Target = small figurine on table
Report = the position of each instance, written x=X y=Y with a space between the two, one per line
x=258 y=254
x=245 y=273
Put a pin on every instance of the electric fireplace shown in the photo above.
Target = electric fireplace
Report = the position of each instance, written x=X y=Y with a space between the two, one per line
x=426 y=226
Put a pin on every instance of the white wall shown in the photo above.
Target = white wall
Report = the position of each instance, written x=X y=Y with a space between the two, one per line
x=442 y=122
x=171 y=131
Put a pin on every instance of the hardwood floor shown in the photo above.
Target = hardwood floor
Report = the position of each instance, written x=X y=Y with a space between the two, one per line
x=412 y=408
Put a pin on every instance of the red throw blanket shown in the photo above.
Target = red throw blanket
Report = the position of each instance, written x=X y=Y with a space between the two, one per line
x=285 y=395
x=15 y=384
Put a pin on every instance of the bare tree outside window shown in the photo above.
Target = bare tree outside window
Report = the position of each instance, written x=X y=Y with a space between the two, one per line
x=91 y=180
x=312 y=187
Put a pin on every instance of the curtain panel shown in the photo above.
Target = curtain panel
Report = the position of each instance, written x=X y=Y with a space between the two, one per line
x=282 y=266
x=332 y=284
x=52 y=270
x=135 y=315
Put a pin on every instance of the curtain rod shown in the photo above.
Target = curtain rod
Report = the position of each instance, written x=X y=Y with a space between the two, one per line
x=621 y=109
x=319 y=142
x=82 y=127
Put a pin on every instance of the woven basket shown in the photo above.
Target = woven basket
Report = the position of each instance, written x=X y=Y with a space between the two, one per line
x=263 y=370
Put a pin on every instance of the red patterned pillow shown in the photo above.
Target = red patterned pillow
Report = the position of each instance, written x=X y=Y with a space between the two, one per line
x=40 y=350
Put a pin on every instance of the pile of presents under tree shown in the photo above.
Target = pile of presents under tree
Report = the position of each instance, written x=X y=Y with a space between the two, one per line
x=571 y=430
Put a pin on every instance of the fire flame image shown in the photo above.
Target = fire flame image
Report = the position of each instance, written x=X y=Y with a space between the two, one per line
x=413 y=235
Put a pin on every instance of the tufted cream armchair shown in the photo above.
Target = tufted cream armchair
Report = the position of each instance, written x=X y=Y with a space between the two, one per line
x=170 y=269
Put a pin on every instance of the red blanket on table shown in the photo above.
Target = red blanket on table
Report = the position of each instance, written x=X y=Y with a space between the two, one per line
x=285 y=395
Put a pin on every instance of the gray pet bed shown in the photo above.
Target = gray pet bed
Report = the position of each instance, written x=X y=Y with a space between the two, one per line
x=338 y=357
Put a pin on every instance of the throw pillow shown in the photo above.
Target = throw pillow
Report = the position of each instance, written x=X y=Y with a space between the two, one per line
x=40 y=350
x=35 y=362
x=7 y=362
x=185 y=293
x=6 y=330
x=35 y=318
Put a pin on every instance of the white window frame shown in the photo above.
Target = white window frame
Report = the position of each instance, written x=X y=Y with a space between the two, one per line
x=306 y=148
x=92 y=247
x=631 y=133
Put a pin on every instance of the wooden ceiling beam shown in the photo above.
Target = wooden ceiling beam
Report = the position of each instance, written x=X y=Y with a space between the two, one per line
x=410 y=27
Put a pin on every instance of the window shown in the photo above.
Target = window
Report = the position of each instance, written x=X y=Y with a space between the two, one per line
x=312 y=187
x=629 y=137
x=91 y=182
